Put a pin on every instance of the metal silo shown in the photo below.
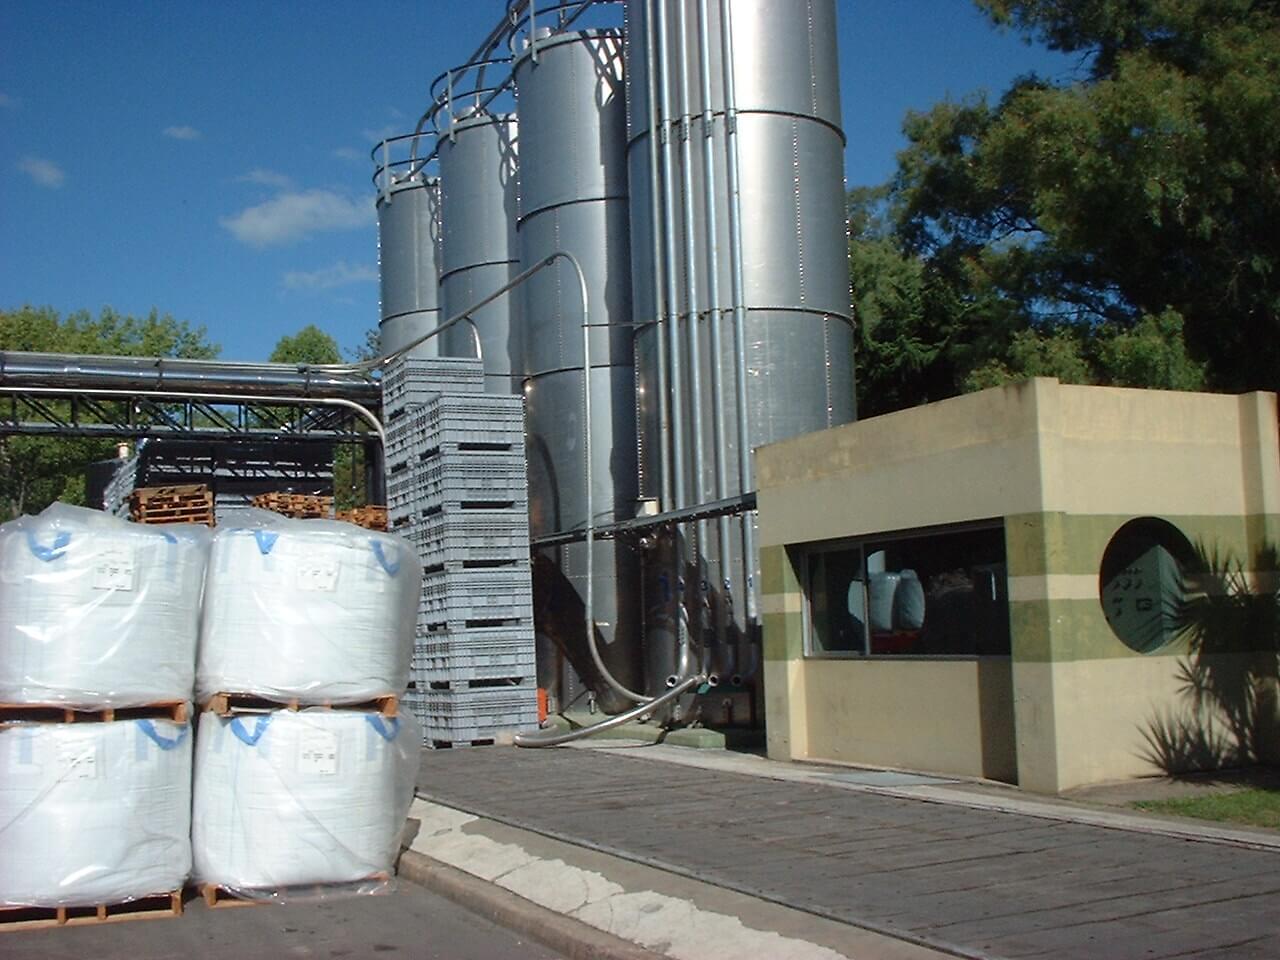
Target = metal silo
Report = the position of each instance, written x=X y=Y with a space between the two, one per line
x=573 y=198
x=739 y=248
x=408 y=252
x=477 y=157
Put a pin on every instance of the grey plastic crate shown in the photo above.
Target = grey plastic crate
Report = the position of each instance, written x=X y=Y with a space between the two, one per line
x=457 y=595
x=460 y=536
x=450 y=479
x=485 y=653
x=480 y=420
x=415 y=381
x=480 y=714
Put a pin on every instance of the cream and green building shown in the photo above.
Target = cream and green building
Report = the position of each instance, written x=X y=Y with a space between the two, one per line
x=996 y=585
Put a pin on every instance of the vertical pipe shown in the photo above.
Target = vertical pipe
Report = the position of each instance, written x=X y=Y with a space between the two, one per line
x=673 y=335
x=691 y=295
x=745 y=480
x=669 y=257
x=709 y=195
x=660 y=308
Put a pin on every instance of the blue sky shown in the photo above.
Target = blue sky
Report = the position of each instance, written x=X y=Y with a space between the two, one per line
x=211 y=159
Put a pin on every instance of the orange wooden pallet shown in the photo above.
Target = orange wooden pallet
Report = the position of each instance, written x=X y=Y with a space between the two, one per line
x=227 y=704
x=156 y=907
x=217 y=896
x=370 y=517
x=175 y=710
x=298 y=506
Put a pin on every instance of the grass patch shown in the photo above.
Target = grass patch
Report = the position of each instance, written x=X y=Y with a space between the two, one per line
x=1254 y=808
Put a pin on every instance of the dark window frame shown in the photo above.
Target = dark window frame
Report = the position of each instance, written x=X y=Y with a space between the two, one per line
x=806 y=553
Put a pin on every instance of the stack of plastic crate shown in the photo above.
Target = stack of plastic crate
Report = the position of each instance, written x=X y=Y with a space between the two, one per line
x=456 y=488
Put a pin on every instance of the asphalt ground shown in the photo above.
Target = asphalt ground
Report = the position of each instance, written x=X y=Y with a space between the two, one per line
x=961 y=868
x=411 y=923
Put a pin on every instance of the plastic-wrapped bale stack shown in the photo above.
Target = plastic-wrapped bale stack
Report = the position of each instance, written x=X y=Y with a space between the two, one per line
x=289 y=799
x=458 y=491
x=302 y=616
x=98 y=624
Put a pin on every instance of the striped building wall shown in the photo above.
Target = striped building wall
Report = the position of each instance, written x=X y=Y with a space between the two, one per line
x=1063 y=467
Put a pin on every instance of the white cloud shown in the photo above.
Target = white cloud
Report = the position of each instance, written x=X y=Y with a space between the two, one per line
x=348 y=153
x=292 y=216
x=268 y=178
x=339 y=274
x=44 y=172
x=381 y=133
x=7 y=102
x=182 y=133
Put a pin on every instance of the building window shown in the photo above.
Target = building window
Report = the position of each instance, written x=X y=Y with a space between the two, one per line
x=1143 y=583
x=932 y=593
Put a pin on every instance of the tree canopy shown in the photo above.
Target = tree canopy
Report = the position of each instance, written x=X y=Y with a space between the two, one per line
x=35 y=471
x=308 y=345
x=1115 y=227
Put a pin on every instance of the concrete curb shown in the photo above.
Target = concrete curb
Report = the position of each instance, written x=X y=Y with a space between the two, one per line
x=573 y=938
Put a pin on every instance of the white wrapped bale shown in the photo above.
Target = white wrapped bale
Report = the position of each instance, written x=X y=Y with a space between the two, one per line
x=316 y=610
x=98 y=612
x=286 y=798
x=93 y=813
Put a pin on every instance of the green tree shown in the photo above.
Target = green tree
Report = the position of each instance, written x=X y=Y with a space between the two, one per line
x=1122 y=220
x=36 y=470
x=308 y=345
x=313 y=345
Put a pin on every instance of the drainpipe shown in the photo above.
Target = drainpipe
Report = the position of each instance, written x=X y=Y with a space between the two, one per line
x=691 y=296
x=713 y=318
x=679 y=497
x=746 y=482
x=655 y=213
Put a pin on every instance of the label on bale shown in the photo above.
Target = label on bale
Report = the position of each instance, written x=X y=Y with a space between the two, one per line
x=114 y=569
x=318 y=753
x=80 y=759
x=318 y=575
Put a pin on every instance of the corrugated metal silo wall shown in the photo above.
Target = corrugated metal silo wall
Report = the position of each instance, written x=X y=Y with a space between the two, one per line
x=573 y=198
x=409 y=264
x=798 y=323
x=478 y=250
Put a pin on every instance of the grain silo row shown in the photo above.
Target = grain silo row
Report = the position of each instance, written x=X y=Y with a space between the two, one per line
x=457 y=490
x=109 y=630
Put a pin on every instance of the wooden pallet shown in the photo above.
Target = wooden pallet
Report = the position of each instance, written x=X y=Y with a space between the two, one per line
x=156 y=907
x=298 y=506
x=216 y=896
x=189 y=503
x=185 y=491
x=370 y=517
x=175 y=710
x=227 y=704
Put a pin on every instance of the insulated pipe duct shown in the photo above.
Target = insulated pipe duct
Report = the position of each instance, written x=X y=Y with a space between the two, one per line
x=210 y=378
x=542 y=738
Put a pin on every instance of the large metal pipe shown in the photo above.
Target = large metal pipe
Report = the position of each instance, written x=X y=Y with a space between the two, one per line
x=661 y=312
x=543 y=738
x=738 y=292
x=661 y=127
x=691 y=307
x=710 y=205
x=208 y=377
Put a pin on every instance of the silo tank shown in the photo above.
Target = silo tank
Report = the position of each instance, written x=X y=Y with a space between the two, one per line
x=479 y=255
x=409 y=263
x=573 y=198
x=798 y=322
